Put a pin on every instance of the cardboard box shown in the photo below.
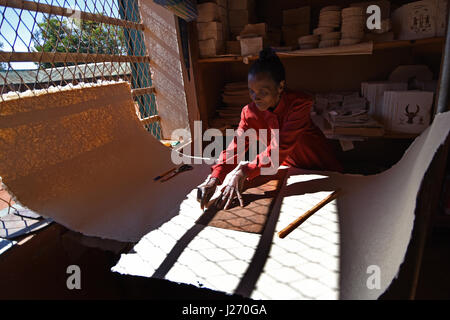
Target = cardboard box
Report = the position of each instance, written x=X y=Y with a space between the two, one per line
x=293 y=32
x=235 y=31
x=210 y=30
x=221 y=3
x=441 y=19
x=297 y=16
x=207 y=12
x=210 y=47
x=420 y=19
x=385 y=7
x=258 y=29
x=407 y=111
x=225 y=25
x=233 y=47
x=251 y=46
x=223 y=14
x=241 y=5
x=239 y=18
x=274 y=37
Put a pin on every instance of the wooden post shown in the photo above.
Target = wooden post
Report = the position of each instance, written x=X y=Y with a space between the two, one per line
x=141 y=77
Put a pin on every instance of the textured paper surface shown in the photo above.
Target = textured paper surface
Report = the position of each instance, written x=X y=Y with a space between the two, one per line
x=258 y=197
x=327 y=257
x=304 y=265
x=82 y=158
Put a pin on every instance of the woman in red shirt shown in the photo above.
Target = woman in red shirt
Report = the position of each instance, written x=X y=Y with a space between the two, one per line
x=300 y=143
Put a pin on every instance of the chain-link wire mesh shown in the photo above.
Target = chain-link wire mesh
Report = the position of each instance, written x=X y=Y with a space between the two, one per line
x=52 y=43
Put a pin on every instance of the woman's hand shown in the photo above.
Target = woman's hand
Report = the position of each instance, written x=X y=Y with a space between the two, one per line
x=232 y=189
x=206 y=190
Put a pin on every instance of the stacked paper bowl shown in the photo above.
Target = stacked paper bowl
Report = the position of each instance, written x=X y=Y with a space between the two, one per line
x=330 y=17
x=322 y=30
x=329 y=20
x=353 y=24
x=330 y=39
x=309 y=42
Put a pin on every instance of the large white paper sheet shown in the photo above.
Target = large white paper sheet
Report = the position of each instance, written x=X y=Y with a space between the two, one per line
x=330 y=256
x=81 y=156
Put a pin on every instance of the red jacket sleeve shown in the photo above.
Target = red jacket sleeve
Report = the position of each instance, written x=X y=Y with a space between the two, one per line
x=297 y=121
x=228 y=158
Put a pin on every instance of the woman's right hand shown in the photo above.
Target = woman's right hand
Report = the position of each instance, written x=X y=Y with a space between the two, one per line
x=206 y=190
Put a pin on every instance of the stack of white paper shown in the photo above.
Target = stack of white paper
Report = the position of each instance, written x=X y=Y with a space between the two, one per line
x=357 y=118
x=407 y=111
x=373 y=91
x=353 y=122
x=339 y=100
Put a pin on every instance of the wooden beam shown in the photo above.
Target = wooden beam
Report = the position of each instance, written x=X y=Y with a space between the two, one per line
x=68 y=57
x=143 y=91
x=151 y=119
x=67 y=12
x=377 y=46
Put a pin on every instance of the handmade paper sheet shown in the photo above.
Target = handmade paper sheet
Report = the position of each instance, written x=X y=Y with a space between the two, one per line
x=80 y=156
x=330 y=256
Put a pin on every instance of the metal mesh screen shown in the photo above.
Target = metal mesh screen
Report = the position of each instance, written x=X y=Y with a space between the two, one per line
x=52 y=43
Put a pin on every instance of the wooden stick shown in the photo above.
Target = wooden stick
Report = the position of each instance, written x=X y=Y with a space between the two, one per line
x=283 y=233
x=141 y=91
x=165 y=173
x=68 y=57
x=67 y=12
x=151 y=119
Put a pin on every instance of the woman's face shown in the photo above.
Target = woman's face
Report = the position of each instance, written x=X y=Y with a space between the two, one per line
x=264 y=92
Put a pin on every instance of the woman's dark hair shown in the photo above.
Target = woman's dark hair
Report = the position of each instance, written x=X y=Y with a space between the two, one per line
x=268 y=62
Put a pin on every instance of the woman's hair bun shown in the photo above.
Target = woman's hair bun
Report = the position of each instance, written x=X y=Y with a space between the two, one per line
x=268 y=62
x=267 y=54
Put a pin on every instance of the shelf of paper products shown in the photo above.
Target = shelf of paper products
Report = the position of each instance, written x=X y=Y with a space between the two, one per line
x=386 y=109
x=346 y=113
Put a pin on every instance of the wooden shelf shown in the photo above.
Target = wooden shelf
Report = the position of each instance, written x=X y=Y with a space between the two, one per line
x=225 y=59
x=407 y=43
x=396 y=135
x=378 y=46
x=323 y=125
